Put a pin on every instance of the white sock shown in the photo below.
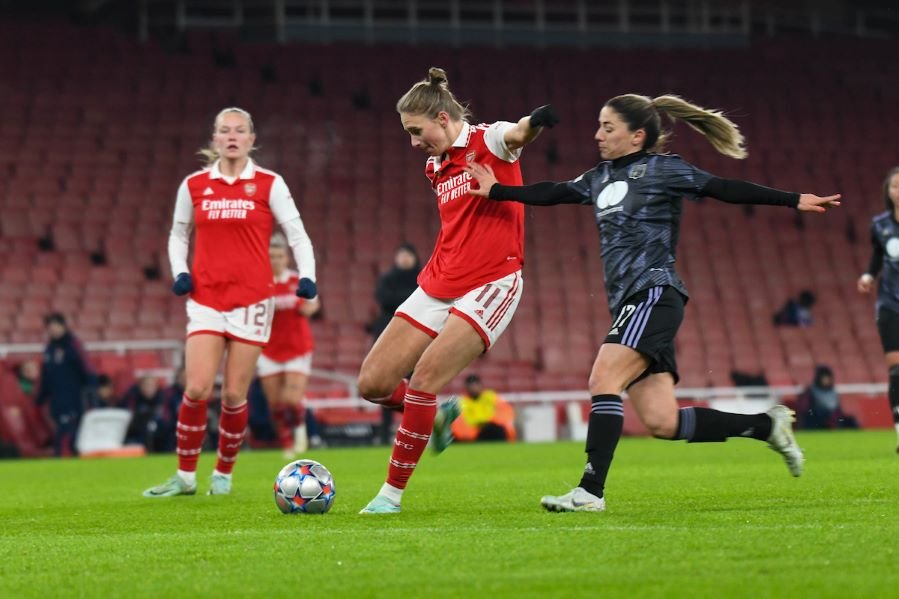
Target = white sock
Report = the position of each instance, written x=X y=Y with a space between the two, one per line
x=217 y=473
x=392 y=493
x=897 y=429
x=189 y=477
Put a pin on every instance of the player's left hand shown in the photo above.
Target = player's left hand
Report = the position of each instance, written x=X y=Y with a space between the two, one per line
x=307 y=288
x=483 y=174
x=545 y=116
x=809 y=202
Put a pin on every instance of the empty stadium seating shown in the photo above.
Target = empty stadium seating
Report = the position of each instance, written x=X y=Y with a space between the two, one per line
x=97 y=141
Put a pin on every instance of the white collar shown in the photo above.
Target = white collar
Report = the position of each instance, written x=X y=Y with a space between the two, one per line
x=284 y=276
x=248 y=172
x=464 y=134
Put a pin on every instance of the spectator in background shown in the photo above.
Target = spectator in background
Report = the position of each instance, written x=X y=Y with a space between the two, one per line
x=105 y=395
x=797 y=312
x=485 y=415
x=65 y=376
x=819 y=405
x=392 y=289
x=28 y=373
x=395 y=286
x=145 y=402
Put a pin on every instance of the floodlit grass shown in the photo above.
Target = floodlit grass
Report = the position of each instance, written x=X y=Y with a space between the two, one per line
x=710 y=520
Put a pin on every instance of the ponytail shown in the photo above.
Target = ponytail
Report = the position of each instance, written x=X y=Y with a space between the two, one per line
x=642 y=112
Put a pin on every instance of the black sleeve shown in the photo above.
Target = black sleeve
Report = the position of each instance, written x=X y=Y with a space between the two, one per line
x=547 y=193
x=734 y=191
x=876 y=262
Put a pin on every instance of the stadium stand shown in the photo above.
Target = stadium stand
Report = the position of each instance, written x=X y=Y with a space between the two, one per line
x=97 y=142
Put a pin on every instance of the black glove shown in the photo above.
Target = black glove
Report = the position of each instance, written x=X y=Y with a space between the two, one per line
x=545 y=116
x=183 y=284
x=307 y=288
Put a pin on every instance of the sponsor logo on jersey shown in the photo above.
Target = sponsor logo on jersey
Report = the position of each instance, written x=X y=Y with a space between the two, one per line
x=208 y=191
x=453 y=188
x=480 y=313
x=227 y=209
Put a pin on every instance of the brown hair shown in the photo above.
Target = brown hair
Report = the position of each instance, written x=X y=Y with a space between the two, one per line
x=209 y=153
x=643 y=112
x=431 y=96
x=886 y=188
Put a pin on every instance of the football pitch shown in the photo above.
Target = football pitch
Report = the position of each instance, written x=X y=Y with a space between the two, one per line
x=711 y=520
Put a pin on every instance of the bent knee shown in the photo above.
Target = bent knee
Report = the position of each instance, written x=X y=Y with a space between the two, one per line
x=372 y=387
x=662 y=428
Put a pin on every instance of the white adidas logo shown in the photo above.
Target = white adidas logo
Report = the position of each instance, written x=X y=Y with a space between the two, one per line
x=208 y=192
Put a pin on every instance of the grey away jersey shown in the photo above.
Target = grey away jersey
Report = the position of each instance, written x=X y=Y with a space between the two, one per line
x=885 y=236
x=637 y=203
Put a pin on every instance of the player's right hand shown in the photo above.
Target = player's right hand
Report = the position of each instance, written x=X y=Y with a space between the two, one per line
x=183 y=284
x=865 y=283
x=483 y=175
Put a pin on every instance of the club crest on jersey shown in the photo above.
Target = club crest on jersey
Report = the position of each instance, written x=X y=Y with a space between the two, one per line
x=470 y=156
x=249 y=188
x=637 y=171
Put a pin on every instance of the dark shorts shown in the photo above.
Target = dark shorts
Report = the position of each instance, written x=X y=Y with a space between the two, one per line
x=888 y=326
x=647 y=322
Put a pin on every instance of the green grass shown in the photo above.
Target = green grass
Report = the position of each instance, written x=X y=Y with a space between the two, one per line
x=712 y=520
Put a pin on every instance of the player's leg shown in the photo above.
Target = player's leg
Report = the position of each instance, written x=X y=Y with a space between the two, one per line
x=653 y=400
x=888 y=327
x=892 y=360
x=273 y=388
x=392 y=357
x=614 y=368
x=293 y=396
x=457 y=345
x=240 y=367
x=202 y=356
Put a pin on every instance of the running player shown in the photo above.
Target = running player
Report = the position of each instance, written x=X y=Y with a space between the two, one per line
x=636 y=196
x=468 y=290
x=885 y=255
x=232 y=205
x=286 y=361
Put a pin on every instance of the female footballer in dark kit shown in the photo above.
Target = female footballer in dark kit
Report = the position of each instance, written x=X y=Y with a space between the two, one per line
x=636 y=194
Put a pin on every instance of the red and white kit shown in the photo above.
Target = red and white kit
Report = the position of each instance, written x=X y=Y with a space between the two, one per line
x=475 y=269
x=290 y=346
x=232 y=274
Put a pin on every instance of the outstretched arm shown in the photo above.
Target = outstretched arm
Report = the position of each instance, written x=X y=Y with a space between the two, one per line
x=528 y=128
x=547 y=193
x=735 y=191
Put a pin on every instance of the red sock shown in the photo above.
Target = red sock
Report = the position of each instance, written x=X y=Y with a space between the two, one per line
x=190 y=432
x=232 y=426
x=412 y=436
x=396 y=399
x=283 y=417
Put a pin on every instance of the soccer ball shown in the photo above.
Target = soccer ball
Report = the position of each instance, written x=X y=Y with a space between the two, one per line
x=304 y=487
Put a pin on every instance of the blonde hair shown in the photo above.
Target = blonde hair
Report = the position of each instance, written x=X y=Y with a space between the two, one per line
x=432 y=96
x=643 y=112
x=210 y=154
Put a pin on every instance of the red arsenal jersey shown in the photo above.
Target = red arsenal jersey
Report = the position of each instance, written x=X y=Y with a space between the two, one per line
x=480 y=240
x=291 y=334
x=233 y=223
